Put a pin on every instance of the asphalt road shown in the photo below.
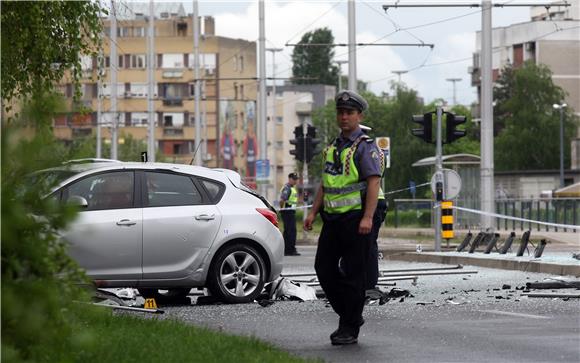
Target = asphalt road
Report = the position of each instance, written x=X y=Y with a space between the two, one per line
x=453 y=318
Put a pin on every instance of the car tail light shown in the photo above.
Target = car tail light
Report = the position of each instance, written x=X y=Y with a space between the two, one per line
x=271 y=216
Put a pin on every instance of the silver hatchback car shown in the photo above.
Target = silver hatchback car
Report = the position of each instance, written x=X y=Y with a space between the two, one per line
x=158 y=226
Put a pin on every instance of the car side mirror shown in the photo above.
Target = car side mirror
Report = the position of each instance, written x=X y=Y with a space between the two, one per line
x=78 y=201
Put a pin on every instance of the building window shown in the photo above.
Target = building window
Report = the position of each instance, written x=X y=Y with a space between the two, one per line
x=138 y=61
x=235 y=63
x=235 y=90
x=241 y=63
x=182 y=29
x=172 y=60
x=242 y=91
x=139 y=32
x=139 y=119
x=279 y=120
x=122 y=31
x=173 y=119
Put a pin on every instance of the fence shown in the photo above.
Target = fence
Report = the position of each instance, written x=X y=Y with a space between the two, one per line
x=562 y=211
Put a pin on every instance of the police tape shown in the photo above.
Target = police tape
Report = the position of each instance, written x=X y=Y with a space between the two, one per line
x=387 y=193
x=571 y=226
x=402 y=190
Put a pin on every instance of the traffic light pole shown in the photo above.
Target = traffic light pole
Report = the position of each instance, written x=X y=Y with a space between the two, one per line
x=438 y=179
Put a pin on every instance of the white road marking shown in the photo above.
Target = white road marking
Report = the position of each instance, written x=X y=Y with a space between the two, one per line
x=515 y=314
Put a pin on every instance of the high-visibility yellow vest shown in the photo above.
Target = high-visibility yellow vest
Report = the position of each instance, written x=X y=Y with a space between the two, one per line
x=292 y=198
x=342 y=188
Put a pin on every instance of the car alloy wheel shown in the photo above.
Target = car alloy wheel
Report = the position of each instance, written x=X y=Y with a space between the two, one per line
x=237 y=274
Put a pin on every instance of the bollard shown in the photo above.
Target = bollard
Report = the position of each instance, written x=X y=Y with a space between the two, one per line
x=507 y=244
x=447 y=219
x=540 y=249
x=524 y=243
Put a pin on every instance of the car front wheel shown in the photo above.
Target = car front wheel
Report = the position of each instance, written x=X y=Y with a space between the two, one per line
x=237 y=274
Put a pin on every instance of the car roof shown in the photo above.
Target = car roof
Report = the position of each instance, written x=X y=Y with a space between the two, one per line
x=84 y=168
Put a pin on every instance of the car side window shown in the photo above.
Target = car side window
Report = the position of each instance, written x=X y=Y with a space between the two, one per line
x=104 y=191
x=214 y=189
x=165 y=190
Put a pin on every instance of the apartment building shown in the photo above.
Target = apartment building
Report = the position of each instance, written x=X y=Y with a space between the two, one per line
x=551 y=37
x=228 y=89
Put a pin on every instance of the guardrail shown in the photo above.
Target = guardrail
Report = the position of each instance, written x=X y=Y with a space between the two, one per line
x=558 y=211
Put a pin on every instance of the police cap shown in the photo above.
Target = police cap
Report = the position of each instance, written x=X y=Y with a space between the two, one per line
x=351 y=100
x=293 y=176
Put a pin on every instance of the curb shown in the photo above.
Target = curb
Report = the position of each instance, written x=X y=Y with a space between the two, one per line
x=527 y=266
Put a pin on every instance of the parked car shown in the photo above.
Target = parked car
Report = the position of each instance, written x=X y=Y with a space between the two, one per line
x=156 y=226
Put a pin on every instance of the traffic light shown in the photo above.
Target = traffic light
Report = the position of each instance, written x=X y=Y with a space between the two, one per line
x=426 y=132
x=451 y=123
x=298 y=143
x=311 y=143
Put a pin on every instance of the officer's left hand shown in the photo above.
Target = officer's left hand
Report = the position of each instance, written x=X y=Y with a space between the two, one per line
x=365 y=225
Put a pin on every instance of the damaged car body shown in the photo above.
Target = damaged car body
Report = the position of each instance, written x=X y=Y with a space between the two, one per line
x=173 y=227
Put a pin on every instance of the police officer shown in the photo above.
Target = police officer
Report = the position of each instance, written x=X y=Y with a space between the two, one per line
x=288 y=201
x=346 y=201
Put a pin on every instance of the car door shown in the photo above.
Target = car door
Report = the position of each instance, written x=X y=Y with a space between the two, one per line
x=106 y=238
x=179 y=225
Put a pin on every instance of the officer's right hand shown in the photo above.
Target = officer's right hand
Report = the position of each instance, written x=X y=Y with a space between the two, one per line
x=308 y=222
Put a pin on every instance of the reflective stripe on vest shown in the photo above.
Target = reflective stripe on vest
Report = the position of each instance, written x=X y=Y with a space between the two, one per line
x=342 y=177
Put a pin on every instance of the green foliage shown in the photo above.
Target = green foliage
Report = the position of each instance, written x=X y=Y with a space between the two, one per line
x=45 y=40
x=315 y=62
x=528 y=127
x=38 y=278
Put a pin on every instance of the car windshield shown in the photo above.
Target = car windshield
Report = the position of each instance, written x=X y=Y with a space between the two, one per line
x=50 y=178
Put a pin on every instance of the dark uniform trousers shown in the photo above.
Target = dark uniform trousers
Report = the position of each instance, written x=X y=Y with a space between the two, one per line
x=341 y=244
x=373 y=264
x=289 y=220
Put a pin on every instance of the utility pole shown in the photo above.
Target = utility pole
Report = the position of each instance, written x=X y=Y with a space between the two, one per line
x=340 y=63
x=438 y=177
x=151 y=86
x=454 y=80
x=114 y=66
x=486 y=167
x=197 y=116
x=351 y=46
x=262 y=135
x=99 y=103
x=274 y=158
x=561 y=107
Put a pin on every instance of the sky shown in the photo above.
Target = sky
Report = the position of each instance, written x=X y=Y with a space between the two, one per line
x=451 y=30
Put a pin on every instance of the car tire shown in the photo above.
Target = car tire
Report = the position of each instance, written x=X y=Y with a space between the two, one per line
x=176 y=293
x=237 y=274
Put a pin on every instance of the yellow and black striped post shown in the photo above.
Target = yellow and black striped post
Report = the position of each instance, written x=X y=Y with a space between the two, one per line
x=447 y=219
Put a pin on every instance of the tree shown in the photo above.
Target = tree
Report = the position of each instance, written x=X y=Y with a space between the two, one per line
x=528 y=127
x=313 y=64
x=46 y=39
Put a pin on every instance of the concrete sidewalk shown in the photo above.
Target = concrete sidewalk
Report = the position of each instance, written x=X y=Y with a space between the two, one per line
x=557 y=257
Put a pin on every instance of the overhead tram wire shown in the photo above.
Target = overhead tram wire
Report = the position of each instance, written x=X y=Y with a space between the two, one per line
x=314 y=21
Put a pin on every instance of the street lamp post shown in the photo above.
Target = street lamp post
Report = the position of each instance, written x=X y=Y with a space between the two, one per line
x=561 y=107
x=454 y=80
x=398 y=73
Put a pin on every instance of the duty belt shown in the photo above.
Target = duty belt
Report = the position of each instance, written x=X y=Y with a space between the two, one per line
x=342 y=202
x=345 y=190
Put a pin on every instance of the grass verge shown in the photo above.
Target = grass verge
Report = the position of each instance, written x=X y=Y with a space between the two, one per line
x=101 y=336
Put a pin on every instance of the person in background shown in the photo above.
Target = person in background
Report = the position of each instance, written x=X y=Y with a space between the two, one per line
x=288 y=201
